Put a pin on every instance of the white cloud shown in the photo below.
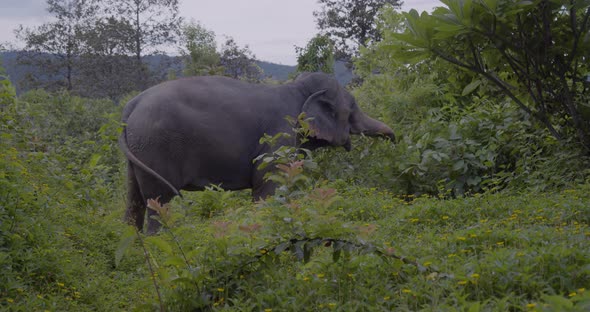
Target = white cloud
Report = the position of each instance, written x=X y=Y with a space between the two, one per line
x=22 y=8
x=420 y=5
x=271 y=28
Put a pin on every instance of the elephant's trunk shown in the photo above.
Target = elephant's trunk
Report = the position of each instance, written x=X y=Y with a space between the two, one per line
x=363 y=124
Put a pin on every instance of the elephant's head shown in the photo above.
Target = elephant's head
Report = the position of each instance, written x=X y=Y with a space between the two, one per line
x=334 y=112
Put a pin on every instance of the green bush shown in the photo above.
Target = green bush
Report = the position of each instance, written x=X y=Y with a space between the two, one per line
x=455 y=134
x=59 y=178
x=378 y=252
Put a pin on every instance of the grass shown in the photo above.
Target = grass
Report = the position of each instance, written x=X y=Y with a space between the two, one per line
x=63 y=246
x=490 y=252
x=493 y=252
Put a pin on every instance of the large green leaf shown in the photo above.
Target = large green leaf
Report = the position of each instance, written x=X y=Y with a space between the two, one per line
x=471 y=87
x=161 y=244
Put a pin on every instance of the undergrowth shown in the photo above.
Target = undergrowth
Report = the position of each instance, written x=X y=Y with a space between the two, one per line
x=336 y=246
x=315 y=246
x=485 y=253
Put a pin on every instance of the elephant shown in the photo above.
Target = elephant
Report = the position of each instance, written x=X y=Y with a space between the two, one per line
x=193 y=132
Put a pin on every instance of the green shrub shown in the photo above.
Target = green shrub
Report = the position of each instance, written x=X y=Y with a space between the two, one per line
x=491 y=251
x=451 y=140
x=59 y=176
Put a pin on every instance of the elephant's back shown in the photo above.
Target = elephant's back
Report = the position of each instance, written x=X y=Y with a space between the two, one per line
x=204 y=112
x=207 y=94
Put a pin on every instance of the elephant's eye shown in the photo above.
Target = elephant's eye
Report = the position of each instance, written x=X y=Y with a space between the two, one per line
x=328 y=109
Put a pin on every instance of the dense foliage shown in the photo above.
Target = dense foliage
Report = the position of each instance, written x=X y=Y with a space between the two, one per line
x=317 y=55
x=316 y=246
x=458 y=132
x=477 y=206
x=534 y=52
x=199 y=51
x=239 y=62
x=351 y=23
x=59 y=170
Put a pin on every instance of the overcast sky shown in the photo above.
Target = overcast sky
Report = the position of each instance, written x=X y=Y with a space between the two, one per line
x=271 y=28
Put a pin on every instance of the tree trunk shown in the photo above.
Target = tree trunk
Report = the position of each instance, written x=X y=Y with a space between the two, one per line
x=139 y=72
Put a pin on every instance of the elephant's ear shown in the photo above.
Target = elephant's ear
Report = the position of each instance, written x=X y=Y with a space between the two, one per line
x=322 y=113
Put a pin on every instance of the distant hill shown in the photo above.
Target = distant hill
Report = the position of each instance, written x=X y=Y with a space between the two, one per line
x=281 y=72
x=342 y=73
x=15 y=72
x=276 y=71
x=162 y=64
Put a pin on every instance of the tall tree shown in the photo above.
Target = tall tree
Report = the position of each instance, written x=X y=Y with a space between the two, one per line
x=55 y=46
x=109 y=36
x=535 y=52
x=199 y=51
x=106 y=65
x=154 y=22
x=317 y=55
x=240 y=62
x=351 y=23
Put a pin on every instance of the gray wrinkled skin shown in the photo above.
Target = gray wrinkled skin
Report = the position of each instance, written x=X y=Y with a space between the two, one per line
x=193 y=132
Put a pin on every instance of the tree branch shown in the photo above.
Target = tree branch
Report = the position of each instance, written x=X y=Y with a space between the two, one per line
x=504 y=87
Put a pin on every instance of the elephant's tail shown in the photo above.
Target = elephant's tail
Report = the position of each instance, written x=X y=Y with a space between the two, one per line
x=125 y=148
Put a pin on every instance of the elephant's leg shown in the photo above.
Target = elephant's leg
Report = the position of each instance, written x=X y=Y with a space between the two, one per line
x=260 y=188
x=151 y=188
x=135 y=213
